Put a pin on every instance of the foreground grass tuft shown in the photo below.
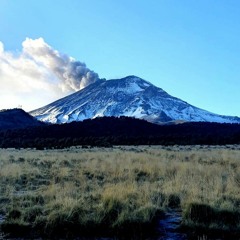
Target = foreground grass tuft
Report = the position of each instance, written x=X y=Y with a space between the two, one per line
x=78 y=192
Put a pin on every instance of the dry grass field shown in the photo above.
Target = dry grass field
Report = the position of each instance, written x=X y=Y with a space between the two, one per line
x=110 y=190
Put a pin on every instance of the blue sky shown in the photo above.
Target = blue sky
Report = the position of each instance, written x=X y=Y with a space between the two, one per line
x=189 y=48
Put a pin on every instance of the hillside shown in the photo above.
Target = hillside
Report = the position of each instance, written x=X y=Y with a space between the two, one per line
x=17 y=118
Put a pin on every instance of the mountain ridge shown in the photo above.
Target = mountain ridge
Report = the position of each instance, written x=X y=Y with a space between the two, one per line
x=130 y=96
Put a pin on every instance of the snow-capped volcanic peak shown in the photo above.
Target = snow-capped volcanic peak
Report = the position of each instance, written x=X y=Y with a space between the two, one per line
x=129 y=96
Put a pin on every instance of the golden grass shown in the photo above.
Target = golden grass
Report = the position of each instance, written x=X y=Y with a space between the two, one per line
x=112 y=188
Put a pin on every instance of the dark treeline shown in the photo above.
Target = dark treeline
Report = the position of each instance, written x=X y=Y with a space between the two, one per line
x=109 y=131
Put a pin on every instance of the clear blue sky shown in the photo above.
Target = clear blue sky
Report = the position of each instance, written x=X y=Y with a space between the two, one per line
x=189 y=48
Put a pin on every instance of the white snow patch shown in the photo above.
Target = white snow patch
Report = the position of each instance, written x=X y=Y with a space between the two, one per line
x=133 y=88
x=137 y=113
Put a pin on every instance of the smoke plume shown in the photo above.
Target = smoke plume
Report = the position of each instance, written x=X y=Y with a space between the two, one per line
x=41 y=72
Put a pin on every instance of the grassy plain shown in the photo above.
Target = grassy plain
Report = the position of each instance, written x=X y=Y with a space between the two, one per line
x=111 y=190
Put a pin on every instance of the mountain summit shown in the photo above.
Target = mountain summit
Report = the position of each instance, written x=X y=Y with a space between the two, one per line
x=130 y=96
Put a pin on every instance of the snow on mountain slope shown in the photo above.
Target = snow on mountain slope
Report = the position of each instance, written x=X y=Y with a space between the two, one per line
x=129 y=96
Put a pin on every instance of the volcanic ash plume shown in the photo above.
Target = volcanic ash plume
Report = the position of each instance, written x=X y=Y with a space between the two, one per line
x=72 y=74
x=39 y=74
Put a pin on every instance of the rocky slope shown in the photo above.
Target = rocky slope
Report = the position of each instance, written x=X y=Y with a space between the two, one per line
x=130 y=96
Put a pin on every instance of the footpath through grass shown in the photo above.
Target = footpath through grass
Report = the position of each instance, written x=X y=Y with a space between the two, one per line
x=81 y=192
